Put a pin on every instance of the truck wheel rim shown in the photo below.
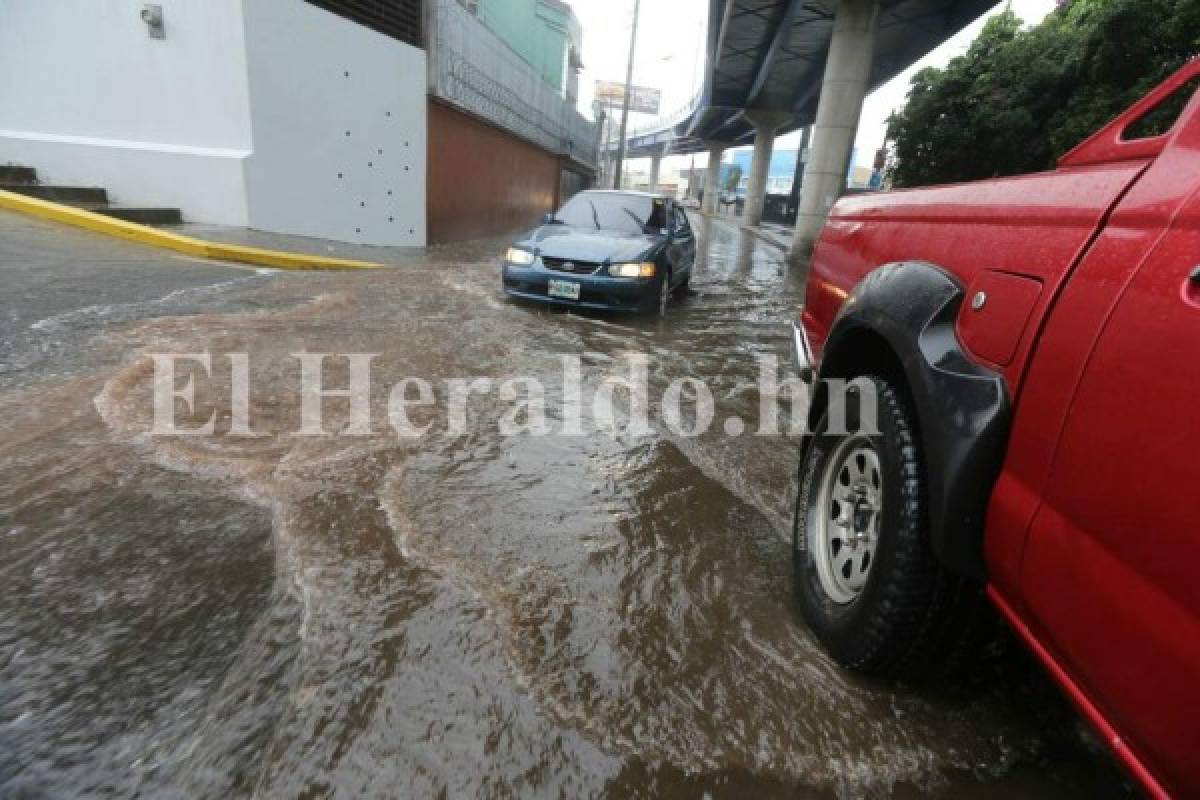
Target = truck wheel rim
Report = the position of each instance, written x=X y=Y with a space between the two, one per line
x=848 y=515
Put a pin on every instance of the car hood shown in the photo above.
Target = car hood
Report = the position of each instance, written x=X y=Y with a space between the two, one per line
x=580 y=244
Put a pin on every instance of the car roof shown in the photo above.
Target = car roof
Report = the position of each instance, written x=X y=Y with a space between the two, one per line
x=627 y=193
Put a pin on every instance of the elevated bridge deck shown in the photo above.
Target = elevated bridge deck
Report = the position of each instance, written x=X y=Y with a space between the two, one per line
x=770 y=56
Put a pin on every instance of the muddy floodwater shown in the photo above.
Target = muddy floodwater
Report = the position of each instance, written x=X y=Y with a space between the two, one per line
x=477 y=615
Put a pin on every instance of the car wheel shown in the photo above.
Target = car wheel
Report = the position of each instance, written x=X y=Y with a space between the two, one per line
x=664 y=293
x=682 y=289
x=867 y=580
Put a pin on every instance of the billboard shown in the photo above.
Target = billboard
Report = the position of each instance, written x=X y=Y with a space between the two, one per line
x=643 y=101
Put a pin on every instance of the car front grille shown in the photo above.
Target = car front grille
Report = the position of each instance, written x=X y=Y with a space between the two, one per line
x=573 y=267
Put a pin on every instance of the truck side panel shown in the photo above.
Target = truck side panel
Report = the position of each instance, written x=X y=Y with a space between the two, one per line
x=1035 y=226
x=1132 y=230
x=1091 y=533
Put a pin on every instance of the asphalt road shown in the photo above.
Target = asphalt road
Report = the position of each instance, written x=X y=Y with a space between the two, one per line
x=472 y=613
x=59 y=287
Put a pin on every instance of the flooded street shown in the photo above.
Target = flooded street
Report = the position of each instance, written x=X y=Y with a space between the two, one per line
x=477 y=615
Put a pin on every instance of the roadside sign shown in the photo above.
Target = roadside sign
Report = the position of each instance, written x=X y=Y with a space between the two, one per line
x=644 y=100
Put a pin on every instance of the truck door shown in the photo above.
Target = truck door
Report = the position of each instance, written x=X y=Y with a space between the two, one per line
x=1111 y=571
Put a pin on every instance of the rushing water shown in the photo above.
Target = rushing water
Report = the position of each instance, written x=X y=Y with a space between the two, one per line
x=476 y=615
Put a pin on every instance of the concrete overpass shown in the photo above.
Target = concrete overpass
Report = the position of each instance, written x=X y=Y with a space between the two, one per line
x=774 y=66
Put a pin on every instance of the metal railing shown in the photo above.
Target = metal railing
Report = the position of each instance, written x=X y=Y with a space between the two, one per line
x=660 y=124
x=472 y=68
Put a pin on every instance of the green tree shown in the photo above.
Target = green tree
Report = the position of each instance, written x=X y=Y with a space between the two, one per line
x=1021 y=97
x=733 y=178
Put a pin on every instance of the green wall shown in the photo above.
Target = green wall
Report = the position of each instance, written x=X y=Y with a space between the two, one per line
x=536 y=29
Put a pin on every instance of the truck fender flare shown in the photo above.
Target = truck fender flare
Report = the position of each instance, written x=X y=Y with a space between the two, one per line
x=962 y=408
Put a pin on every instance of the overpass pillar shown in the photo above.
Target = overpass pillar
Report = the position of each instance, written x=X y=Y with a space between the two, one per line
x=712 y=178
x=765 y=125
x=843 y=89
x=656 y=166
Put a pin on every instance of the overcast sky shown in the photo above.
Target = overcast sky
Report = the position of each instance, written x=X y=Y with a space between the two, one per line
x=670 y=56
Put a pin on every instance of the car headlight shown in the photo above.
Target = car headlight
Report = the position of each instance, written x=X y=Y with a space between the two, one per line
x=519 y=257
x=645 y=270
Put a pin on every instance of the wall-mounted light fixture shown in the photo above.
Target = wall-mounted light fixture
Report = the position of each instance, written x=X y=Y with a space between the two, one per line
x=152 y=15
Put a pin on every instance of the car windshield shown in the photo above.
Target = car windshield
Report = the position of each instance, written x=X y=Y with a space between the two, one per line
x=628 y=213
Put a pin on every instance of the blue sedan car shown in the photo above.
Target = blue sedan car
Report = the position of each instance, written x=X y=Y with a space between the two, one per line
x=608 y=250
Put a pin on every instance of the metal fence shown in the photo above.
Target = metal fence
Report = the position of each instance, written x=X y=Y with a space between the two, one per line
x=472 y=68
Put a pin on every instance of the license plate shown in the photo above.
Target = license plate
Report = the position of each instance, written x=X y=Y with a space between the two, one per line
x=567 y=290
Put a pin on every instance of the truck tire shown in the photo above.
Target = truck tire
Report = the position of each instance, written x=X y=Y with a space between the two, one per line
x=867 y=581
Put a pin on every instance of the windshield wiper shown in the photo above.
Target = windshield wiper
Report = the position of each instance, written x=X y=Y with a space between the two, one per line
x=641 y=225
x=595 y=215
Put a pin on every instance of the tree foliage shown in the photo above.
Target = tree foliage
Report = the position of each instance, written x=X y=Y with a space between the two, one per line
x=1021 y=97
x=733 y=178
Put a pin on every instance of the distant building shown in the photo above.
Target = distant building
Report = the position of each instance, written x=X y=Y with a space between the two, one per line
x=782 y=173
x=543 y=32
x=780 y=176
x=671 y=182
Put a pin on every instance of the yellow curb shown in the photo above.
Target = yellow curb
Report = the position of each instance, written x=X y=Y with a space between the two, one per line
x=154 y=237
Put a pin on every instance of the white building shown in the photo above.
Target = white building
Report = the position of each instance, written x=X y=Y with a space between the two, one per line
x=271 y=114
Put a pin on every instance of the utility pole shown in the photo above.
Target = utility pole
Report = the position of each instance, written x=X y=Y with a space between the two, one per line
x=602 y=118
x=609 y=155
x=637 y=5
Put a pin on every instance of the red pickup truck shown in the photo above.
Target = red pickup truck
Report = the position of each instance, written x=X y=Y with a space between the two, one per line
x=1029 y=351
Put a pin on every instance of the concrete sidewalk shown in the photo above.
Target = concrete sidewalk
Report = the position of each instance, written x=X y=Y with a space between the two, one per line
x=774 y=234
x=771 y=233
x=71 y=213
x=387 y=256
